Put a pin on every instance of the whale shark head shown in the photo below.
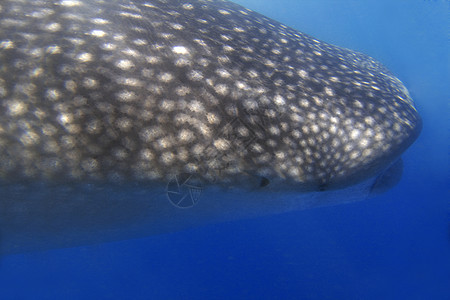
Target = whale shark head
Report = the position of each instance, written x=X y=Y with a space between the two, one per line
x=123 y=92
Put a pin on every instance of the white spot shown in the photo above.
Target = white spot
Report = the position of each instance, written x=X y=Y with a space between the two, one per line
x=315 y=128
x=348 y=147
x=280 y=155
x=130 y=81
x=243 y=131
x=85 y=57
x=90 y=165
x=153 y=59
x=335 y=143
x=221 y=89
x=334 y=120
x=212 y=118
x=6 y=44
x=97 y=33
x=182 y=90
x=188 y=6
x=303 y=74
x=196 y=106
x=180 y=50
x=367 y=152
x=149 y=5
x=279 y=100
x=317 y=101
x=304 y=103
x=29 y=138
x=226 y=37
x=248 y=49
x=53 y=94
x=369 y=121
x=71 y=86
x=140 y=42
x=182 y=62
x=70 y=3
x=355 y=133
x=53 y=27
x=37 y=72
x=333 y=129
x=358 y=104
x=54 y=49
x=36 y=52
x=186 y=135
x=16 y=108
x=221 y=144
x=204 y=130
x=311 y=116
x=228 y=48
x=250 y=104
x=329 y=91
x=382 y=110
x=296 y=118
x=108 y=46
x=100 y=21
x=224 y=12
x=149 y=134
x=90 y=83
x=130 y=15
x=223 y=73
x=195 y=75
x=354 y=155
x=94 y=127
x=269 y=63
x=65 y=118
x=274 y=130
x=126 y=96
x=334 y=79
x=167 y=158
x=165 y=77
x=167 y=36
x=276 y=51
x=201 y=42
x=167 y=105
x=146 y=154
x=124 y=64
x=241 y=85
x=364 y=143
x=124 y=124
x=177 y=26
x=131 y=52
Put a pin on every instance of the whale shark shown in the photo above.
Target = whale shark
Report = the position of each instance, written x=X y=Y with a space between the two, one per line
x=121 y=119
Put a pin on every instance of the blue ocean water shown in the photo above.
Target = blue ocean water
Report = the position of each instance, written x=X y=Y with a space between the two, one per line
x=395 y=246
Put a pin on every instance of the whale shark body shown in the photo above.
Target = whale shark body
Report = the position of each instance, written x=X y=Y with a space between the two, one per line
x=120 y=119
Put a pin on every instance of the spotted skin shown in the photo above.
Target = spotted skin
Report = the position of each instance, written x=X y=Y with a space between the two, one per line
x=143 y=90
x=108 y=107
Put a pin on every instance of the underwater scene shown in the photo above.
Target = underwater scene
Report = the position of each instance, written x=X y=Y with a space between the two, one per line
x=215 y=149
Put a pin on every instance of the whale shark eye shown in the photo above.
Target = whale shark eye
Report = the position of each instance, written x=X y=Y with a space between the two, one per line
x=322 y=187
x=264 y=182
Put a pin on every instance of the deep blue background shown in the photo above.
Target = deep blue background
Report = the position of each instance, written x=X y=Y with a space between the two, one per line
x=396 y=246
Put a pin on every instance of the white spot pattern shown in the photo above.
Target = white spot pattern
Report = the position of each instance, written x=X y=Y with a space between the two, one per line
x=156 y=88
